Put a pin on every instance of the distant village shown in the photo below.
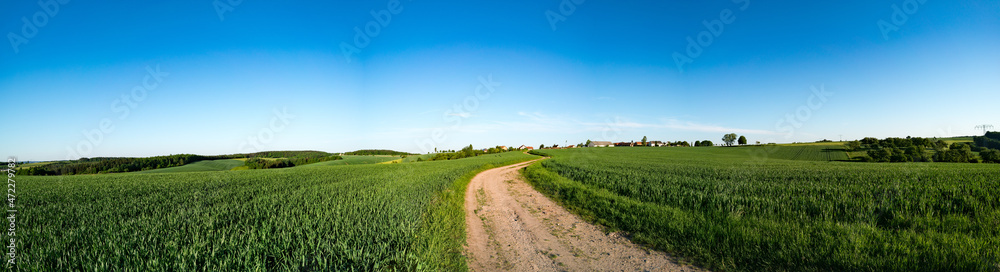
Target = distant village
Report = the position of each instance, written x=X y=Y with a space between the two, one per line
x=731 y=139
x=608 y=144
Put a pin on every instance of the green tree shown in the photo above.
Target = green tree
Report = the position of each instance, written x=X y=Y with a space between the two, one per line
x=940 y=145
x=957 y=152
x=742 y=140
x=916 y=153
x=729 y=139
x=643 y=140
x=880 y=154
x=990 y=156
x=852 y=145
x=588 y=142
x=869 y=142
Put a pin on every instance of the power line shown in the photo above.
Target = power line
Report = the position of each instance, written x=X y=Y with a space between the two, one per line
x=985 y=128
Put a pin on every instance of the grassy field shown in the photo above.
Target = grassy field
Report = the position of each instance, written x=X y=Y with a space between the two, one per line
x=413 y=158
x=359 y=217
x=808 y=152
x=734 y=211
x=201 y=166
x=354 y=160
x=29 y=165
x=957 y=140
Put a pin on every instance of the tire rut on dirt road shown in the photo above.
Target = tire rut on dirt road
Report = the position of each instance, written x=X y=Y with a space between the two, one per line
x=515 y=228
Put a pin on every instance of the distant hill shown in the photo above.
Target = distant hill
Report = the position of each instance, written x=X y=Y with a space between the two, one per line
x=102 y=165
x=378 y=152
x=355 y=160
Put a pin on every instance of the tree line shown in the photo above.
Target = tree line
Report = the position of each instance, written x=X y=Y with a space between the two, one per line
x=105 y=165
x=369 y=152
x=915 y=149
x=266 y=163
x=466 y=152
x=102 y=165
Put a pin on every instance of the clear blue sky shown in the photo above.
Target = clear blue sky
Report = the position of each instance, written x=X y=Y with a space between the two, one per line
x=604 y=70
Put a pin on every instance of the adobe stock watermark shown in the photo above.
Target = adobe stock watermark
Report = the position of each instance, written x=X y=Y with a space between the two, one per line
x=11 y=212
x=611 y=130
x=30 y=28
x=255 y=143
x=792 y=121
x=363 y=38
x=123 y=107
x=566 y=9
x=899 y=17
x=225 y=6
x=713 y=29
x=459 y=112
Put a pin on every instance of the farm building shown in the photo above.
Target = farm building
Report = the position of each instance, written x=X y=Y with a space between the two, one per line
x=525 y=147
x=600 y=144
x=656 y=143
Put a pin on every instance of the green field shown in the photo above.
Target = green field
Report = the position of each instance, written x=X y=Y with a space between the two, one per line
x=28 y=165
x=359 y=217
x=957 y=140
x=354 y=160
x=739 y=211
x=800 y=152
x=201 y=166
x=413 y=158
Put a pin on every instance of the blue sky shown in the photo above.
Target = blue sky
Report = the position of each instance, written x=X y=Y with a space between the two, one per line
x=273 y=76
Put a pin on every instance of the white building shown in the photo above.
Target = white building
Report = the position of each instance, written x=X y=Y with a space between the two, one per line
x=600 y=144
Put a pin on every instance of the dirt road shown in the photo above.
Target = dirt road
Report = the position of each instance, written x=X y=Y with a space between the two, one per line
x=515 y=228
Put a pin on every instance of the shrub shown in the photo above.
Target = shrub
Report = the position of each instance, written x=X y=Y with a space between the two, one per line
x=990 y=156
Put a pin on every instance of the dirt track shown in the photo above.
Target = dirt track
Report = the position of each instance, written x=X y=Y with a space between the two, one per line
x=513 y=227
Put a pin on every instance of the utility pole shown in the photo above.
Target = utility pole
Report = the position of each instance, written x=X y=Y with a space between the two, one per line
x=985 y=128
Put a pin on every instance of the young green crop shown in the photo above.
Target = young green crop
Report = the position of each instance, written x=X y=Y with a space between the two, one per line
x=354 y=160
x=364 y=217
x=738 y=212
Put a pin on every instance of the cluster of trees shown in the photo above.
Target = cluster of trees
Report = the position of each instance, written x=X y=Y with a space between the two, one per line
x=914 y=149
x=957 y=152
x=895 y=154
x=703 y=143
x=263 y=163
x=681 y=144
x=870 y=142
x=378 y=152
x=731 y=138
x=990 y=140
x=466 y=152
x=990 y=156
x=280 y=154
x=265 y=160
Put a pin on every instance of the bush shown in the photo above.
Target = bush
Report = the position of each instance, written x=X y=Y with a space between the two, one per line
x=880 y=154
x=990 y=156
x=958 y=152
x=916 y=154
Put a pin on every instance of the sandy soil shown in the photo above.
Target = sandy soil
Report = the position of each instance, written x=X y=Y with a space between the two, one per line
x=512 y=227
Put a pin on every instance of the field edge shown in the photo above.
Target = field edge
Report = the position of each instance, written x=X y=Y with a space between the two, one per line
x=442 y=239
